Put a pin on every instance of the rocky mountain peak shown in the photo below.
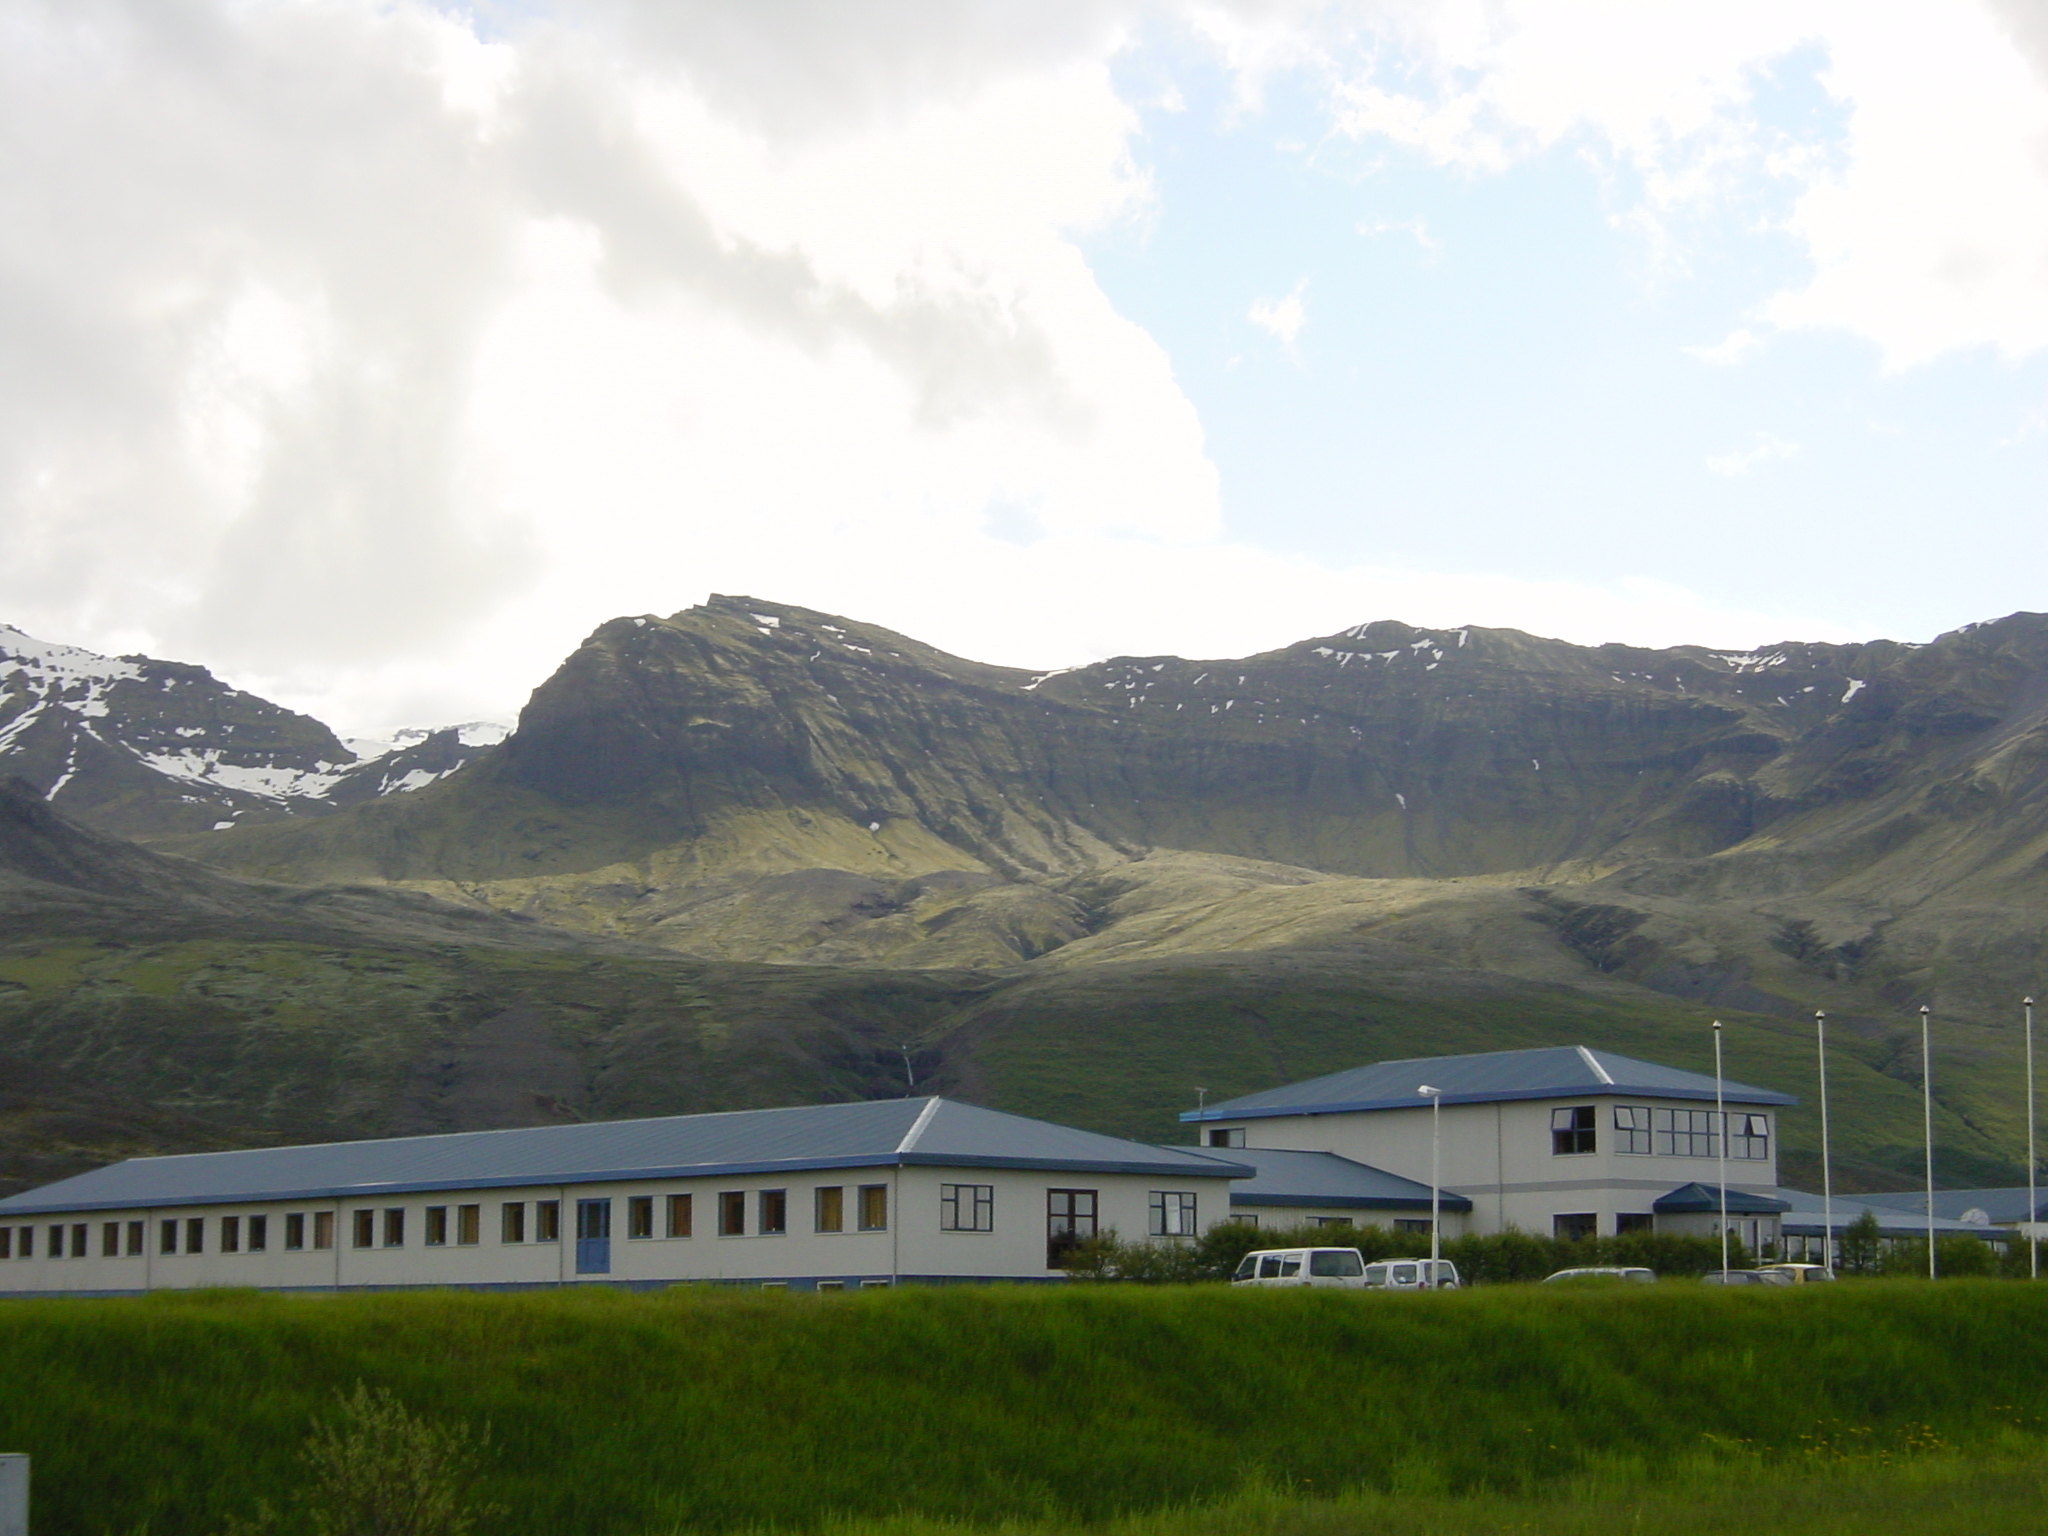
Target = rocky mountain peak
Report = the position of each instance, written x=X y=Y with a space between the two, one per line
x=154 y=748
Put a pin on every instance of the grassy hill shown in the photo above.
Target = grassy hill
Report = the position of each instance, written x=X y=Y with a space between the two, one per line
x=694 y=1410
x=118 y=1047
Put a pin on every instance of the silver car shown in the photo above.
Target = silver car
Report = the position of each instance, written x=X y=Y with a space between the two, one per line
x=1603 y=1274
x=1745 y=1277
x=1340 y=1267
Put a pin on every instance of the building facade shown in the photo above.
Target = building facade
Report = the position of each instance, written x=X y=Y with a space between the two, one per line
x=1563 y=1140
x=825 y=1197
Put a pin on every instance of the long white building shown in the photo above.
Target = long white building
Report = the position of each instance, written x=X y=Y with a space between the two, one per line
x=826 y=1197
x=1561 y=1140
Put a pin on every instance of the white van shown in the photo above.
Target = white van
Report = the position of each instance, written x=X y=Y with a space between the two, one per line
x=1411 y=1275
x=1342 y=1267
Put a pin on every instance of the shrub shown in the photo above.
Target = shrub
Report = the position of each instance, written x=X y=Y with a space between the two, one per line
x=1863 y=1247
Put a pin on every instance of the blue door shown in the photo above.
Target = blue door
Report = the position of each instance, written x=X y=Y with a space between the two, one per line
x=593 y=1237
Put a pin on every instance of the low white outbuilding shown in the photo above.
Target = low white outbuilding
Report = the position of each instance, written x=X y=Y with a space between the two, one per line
x=827 y=1196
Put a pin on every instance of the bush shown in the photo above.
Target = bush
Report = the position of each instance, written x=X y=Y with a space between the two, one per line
x=1494 y=1259
x=1863 y=1246
x=1955 y=1258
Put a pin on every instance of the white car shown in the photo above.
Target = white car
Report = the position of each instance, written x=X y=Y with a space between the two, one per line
x=1411 y=1275
x=1341 y=1267
x=1603 y=1274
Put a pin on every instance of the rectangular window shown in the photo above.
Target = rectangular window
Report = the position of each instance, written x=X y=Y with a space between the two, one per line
x=6 y=1242
x=295 y=1231
x=1571 y=1131
x=1232 y=1136
x=231 y=1234
x=678 y=1215
x=640 y=1216
x=259 y=1233
x=28 y=1242
x=1749 y=1137
x=437 y=1227
x=110 y=1239
x=167 y=1237
x=1683 y=1133
x=469 y=1224
x=732 y=1213
x=774 y=1212
x=1172 y=1214
x=512 y=1222
x=547 y=1221
x=967 y=1207
x=1411 y=1224
x=195 y=1234
x=1634 y=1221
x=1069 y=1222
x=394 y=1227
x=365 y=1229
x=874 y=1207
x=137 y=1233
x=323 y=1229
x=1576 y=1227
x=828 y=1209
x=56 y=1242
x=1632 y=1128
x=78 y=1239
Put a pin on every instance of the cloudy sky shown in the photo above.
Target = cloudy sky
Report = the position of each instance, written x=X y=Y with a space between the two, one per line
x=371 y=352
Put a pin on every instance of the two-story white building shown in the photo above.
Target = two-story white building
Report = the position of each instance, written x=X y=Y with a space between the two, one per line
x=823 y=1197
x=1562 y=1140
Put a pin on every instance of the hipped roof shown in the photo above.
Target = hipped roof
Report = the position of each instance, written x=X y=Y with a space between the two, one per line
x=1548 y=1072
x=876 y=1134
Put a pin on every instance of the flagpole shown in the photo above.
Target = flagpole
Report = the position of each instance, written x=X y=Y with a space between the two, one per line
x=1827 y=1172
x=1927 y=1116
x=2033 y=1196
x=1721 y=1117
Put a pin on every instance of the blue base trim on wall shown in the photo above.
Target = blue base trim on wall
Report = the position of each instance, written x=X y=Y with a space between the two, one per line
x=765 y=1282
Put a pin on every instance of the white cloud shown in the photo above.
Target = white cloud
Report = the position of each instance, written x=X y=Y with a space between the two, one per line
x=1282 y=319
x=1737 y=346
x=1926 y=221
x=1417 y=229
x=1740 y=461
x=373 y=361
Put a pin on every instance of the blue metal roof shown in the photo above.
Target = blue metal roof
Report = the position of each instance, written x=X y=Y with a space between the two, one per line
x=2001 y=1207
x=1548 y=1072
x=1695 y=1199
x=881 y=1133
x=1807 y=1213
x=1325 y=1180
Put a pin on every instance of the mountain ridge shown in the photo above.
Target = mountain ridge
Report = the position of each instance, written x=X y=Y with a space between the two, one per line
x=154 y=748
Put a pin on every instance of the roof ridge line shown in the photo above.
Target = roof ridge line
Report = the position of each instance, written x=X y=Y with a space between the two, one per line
x=1590 y=1060
x=917 y=1128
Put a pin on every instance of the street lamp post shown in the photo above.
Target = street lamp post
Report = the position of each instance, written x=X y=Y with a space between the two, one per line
x=1436 y=1192
x=1721 y=1141
x=1927 y=1119
x=1827 y=1172
x=2033 y=1196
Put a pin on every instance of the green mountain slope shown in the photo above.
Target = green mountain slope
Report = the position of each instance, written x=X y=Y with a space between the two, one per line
x=754 y=854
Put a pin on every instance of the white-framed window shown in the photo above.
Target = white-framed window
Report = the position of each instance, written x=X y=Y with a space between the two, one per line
x=1749 y=1137
x=1632 y=1128
x=967 y=1207
x=1690 y=1133
x=1173 y=1214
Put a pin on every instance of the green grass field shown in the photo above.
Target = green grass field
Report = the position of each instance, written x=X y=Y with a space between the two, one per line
x=1195 y=1406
